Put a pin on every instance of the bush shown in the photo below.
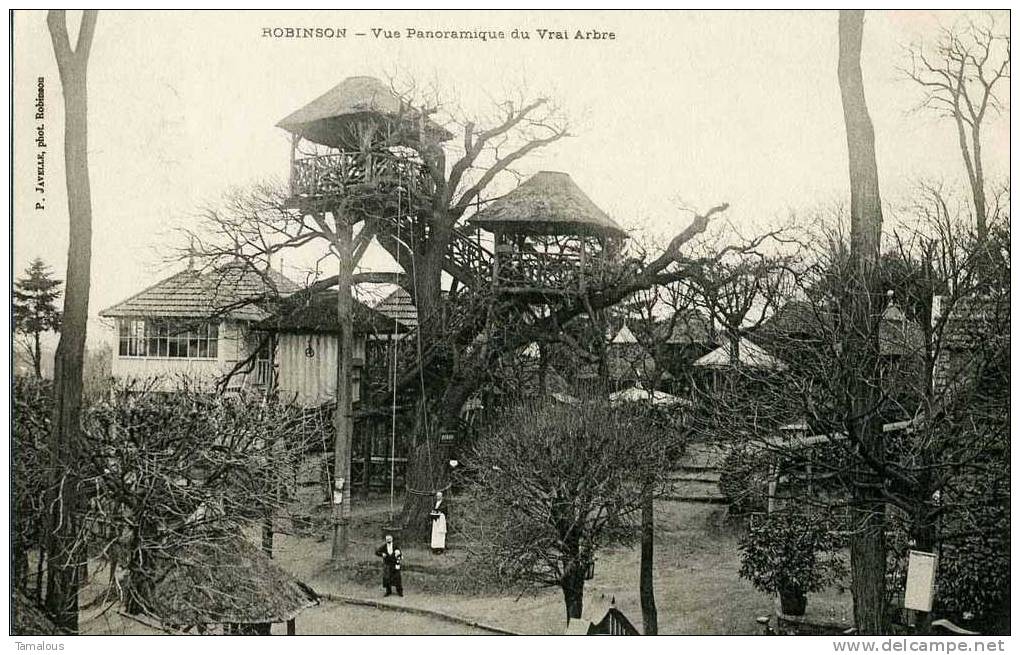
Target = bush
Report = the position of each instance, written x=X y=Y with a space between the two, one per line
x=33 y=404
x=973 y=580
x=791 y=552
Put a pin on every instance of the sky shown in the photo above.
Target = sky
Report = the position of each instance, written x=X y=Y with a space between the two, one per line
x=679 y=109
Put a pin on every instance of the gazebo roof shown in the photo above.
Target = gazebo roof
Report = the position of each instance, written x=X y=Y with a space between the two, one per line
x=548 y=202
x=323 y=120
x=638 y=394
x=227 y=581
x=623 y=337
x=749 y=354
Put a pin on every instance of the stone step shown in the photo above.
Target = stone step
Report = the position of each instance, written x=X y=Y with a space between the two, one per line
x=696 y=489
x=695 y=476
x=708 y=500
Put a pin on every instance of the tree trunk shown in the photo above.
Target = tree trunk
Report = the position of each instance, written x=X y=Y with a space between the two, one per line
x=428 y=467
x=64 y=549
x=342 y=418
x=267 y=535
x=37 y=356
x=573 y=592
x=867 y=544
x=649 y=615
x=978 y=185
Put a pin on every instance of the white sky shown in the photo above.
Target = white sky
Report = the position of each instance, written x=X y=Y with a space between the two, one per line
x=701 y=107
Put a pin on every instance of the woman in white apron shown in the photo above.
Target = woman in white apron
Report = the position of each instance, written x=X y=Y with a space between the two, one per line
x=438 y=515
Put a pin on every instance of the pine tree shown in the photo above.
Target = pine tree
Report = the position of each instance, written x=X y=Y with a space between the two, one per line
x=35 y=310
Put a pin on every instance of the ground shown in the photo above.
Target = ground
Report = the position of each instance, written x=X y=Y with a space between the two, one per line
x=697 y=587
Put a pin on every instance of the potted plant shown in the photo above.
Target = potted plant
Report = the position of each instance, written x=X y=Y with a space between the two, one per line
x=790 y=555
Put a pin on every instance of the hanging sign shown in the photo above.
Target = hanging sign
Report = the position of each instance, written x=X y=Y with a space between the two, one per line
x=920 y=581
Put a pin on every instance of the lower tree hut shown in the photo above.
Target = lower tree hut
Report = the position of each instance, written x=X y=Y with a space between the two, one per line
x=229 y=587
x=305 y=331
x=550 y=238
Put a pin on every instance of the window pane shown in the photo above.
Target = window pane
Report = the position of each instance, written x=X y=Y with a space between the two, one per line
x=172 y=347
x=203 y=348
x=162 y=346
x=214 y=331
x=152 y=347
x=122 y=327
x=123 y=348
x=213 y=346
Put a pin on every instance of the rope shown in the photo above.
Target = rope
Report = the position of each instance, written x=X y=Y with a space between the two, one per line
x=393 y=415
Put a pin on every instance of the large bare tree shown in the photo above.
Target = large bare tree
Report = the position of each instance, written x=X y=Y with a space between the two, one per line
x=255 y=226
x=62 y=579
x=961 y=75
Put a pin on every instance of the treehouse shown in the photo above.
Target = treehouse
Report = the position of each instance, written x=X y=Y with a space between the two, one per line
x=360 y=142
x=550 y=238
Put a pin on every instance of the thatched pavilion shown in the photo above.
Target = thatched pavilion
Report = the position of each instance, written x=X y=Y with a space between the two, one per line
x=550 y=237
x=227 y=583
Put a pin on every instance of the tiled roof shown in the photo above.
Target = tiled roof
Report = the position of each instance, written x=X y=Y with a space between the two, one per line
x=390 y=300
x=233 y=291
x=317 y=313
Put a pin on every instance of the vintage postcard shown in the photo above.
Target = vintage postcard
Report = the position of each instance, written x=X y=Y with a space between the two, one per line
x=511 y=323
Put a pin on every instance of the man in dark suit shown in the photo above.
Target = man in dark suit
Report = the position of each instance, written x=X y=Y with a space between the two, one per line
x=391 y=557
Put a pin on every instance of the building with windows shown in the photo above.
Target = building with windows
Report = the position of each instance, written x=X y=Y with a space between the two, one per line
x=195 y=326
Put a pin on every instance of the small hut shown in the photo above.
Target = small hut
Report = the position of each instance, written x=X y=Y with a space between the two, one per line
x=627 y=361
x=229 y=583
x=550 y=238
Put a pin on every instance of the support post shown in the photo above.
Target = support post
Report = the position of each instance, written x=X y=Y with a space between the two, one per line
x=342 y=419
x=773 y=483
x=291 y=627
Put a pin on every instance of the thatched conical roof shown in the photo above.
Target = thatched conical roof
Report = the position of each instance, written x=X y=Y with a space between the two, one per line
x=324 y=119
x=548 y=202
x=226 y=581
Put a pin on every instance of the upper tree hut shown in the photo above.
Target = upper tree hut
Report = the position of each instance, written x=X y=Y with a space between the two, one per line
x=550 y=238
x=360 y=140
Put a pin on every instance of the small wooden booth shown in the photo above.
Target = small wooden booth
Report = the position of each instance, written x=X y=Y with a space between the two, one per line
x=613 y=623
x=550 y=238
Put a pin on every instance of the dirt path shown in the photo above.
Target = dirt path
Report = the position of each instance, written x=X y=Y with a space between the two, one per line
x=335 y=618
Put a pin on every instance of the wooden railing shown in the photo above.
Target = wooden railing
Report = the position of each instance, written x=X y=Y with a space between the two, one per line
x=540 y=271
x=335 y=173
